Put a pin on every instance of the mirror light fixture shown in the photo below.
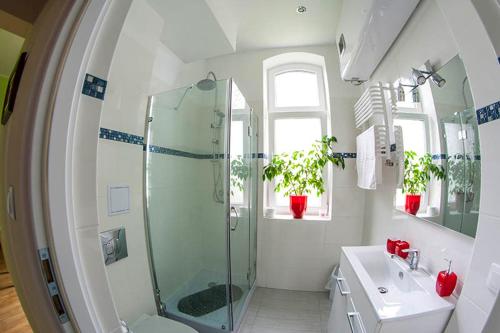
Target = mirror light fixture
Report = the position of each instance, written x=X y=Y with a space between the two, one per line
x=402 y=94
x=420 y=77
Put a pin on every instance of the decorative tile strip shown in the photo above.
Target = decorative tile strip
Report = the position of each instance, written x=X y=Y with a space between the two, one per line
x=345 y=155
x=109 y=134
x=94 y=86
x=439 y=156
x=175 y=152
x=488 y=113
x=456 y=156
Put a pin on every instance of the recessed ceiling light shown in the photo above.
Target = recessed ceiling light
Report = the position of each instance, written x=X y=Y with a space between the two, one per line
x=301 y=9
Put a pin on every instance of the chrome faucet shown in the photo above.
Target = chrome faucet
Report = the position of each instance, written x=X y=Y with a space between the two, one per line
x=414 y=258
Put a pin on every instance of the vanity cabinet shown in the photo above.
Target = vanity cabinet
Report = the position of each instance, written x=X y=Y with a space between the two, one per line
x=353 y=312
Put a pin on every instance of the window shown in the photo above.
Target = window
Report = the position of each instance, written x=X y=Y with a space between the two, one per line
x=415 y=127
x=297 y=116
x=239 y=142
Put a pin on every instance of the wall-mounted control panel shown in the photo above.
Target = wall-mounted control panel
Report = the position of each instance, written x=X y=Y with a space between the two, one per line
x=114 y=245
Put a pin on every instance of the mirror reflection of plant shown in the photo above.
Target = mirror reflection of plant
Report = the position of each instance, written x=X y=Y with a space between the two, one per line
x=418 y=172
x=301 y=172
x=462 y=173
x=240 y=171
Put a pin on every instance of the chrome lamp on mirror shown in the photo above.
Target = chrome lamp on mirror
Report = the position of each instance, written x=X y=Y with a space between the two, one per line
x=442 y=170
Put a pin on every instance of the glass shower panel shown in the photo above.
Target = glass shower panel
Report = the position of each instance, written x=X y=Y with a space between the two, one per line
x=463 y=172
x=186 y=201
x=254 y=188
x=240 y=196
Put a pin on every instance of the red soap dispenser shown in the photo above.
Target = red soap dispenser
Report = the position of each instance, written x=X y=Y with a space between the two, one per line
x=446 y=281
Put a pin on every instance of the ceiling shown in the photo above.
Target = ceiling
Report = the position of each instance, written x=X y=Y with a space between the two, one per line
x=200 y=29
x=276 y=23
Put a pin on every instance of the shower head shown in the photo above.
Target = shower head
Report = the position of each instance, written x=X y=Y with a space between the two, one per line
x=207 y=84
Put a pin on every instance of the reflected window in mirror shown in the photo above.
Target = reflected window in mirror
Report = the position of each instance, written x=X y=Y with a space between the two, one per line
x=441 y=121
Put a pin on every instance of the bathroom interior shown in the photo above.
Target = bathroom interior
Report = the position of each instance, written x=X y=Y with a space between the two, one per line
x=254 y=166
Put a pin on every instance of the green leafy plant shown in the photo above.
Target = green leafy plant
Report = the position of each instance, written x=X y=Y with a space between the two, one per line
x=301 y=172
x=418 y=172
x=240 y=172
x=461 y=173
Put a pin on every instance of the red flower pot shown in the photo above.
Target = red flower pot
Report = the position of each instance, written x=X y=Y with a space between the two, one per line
x=412 y=203
x=298 y=205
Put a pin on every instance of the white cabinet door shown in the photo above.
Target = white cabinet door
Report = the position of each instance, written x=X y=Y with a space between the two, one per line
x=338 y=321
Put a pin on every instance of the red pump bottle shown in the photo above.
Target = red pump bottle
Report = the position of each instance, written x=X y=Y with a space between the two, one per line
x=446 y=281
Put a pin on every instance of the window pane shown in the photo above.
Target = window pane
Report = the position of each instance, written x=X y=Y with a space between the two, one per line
x=238 y=101
x=236 y=153
x=296 y=134
x=295 y=89
x=414 y=138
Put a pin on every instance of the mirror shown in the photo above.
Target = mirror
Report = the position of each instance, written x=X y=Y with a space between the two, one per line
x=442 y=158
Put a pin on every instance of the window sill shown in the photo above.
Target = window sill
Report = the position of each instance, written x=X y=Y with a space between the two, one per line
x=288 y=217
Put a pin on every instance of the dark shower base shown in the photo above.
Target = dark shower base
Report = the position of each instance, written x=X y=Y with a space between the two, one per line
x=208 y=300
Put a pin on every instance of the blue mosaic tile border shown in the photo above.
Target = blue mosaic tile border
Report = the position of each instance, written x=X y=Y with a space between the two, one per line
x=175 y=152
x=94 y=86
x=109 y=134
x=345 y=155
x=488 y=113
x=456 y=156
x=439 y=156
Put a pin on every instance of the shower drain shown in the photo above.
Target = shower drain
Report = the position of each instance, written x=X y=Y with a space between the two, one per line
x=383 y=290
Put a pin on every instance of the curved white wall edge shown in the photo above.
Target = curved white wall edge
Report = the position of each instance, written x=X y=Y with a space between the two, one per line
x=84 y=296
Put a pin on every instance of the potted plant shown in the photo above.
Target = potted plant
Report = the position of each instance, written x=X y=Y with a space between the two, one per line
x=462 y=173
x=301 y=172
x=417 y=175
x=240 y=171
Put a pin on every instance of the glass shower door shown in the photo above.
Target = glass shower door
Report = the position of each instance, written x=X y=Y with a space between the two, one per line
x=186 y=201
x=463 y=172
x=240 y=222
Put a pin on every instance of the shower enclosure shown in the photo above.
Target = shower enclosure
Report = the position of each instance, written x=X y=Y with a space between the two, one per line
x=463 y=166
x=200 y=193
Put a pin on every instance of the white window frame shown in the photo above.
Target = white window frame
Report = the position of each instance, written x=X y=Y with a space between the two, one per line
x=296 y=67
x=239 y=115
x=318 y=112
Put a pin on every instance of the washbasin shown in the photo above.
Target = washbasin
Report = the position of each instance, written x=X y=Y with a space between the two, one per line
x=393 y=289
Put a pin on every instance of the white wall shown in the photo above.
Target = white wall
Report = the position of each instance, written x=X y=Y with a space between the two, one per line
x=438 y=30
x=300 y=254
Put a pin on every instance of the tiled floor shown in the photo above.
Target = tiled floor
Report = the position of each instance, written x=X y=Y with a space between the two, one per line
x=285 y=311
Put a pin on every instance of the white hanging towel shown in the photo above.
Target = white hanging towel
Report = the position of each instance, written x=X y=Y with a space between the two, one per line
x=400 y=155
x=367 y=162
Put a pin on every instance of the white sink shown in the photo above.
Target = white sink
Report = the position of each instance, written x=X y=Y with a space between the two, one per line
x=409 y=293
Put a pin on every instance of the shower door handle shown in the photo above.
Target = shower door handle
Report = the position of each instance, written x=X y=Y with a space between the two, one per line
x=233 y=228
